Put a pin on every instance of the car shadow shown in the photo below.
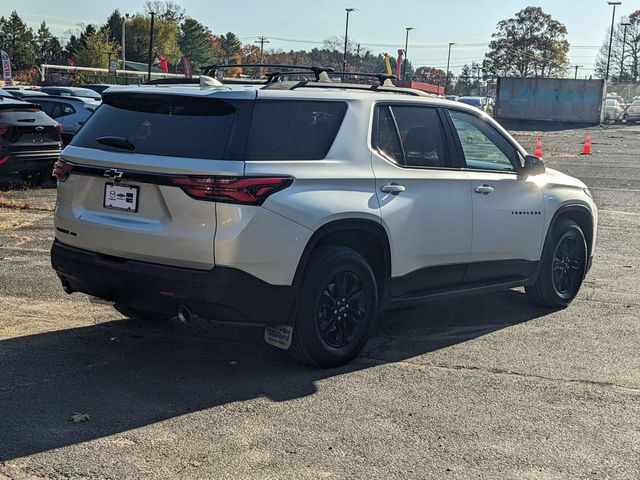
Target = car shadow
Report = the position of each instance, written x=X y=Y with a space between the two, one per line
x=126 y=374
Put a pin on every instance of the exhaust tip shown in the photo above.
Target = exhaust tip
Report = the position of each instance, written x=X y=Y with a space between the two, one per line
x=184 y=314
x=66 y=286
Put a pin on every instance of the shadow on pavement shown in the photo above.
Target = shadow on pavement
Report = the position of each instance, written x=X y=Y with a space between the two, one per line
x=126 y=374
x=541 y=126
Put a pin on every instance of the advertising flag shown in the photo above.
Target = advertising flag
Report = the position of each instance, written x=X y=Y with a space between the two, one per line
x=6 y=68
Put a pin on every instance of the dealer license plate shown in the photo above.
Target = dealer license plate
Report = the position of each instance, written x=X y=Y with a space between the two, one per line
x=121 y=197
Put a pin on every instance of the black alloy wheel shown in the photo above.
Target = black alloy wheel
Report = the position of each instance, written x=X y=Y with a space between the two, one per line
x=341 y=309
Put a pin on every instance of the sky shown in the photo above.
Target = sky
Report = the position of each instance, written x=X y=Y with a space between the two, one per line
x=378 y=25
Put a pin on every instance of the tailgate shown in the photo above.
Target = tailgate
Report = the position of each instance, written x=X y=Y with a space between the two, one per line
x=126 y=203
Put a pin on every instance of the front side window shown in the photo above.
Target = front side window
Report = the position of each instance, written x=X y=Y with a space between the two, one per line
x=483 y=146
x=412 y=136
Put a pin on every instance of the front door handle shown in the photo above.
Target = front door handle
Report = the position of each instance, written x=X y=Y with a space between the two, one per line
x=484 y=189
x=393 y=188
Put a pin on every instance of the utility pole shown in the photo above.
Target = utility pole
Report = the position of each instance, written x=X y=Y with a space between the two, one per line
x=346 y=36
x=262 y=40
x=150 y=47
x=357 y=57
x=577 y=67
x=613 y=18
x=446 y=83
x=624 y=40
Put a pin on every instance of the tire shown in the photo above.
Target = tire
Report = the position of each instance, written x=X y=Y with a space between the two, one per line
x=143 y=315
x=564 y=261
x=330 y=330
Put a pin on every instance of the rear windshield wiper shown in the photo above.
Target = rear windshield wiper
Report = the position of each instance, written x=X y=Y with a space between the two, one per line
x=117 y=142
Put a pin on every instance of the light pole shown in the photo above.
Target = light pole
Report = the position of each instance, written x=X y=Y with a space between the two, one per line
x=613 y=18
x=346 y=37
x=624 y=40
x=124 y=24
x=406 y=46
x=446 y=82
x=153 y=14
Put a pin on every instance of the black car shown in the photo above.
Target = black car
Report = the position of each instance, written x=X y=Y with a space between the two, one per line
x=30 y=141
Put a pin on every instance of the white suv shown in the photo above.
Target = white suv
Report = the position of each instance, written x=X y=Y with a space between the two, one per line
x=308 y=207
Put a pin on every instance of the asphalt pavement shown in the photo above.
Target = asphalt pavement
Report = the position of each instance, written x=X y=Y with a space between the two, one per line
x=487 y=387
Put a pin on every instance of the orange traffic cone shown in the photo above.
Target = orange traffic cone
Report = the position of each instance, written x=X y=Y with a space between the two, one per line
x=586 y=149
x=538 y=151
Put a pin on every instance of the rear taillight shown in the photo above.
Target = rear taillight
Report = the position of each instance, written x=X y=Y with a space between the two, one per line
x=60 y=128
x=61 y=170
x=3 y=129
x=243 y=190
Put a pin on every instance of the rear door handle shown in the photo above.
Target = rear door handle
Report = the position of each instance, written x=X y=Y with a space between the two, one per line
x=484 y=189
x=393 y=188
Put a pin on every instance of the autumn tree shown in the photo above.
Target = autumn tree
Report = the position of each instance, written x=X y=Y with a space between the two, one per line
x=96 y=50
x=630 y=67
x=531 y=44
x=165 y=10
x=430 y=75
x=165 y=39
x=17 y=40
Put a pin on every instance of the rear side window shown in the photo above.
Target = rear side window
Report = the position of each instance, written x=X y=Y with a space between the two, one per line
x=293 y=130
x=168 y=125
x=420 y=132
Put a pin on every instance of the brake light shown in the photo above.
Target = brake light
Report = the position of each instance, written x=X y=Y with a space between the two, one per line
x=61 y=170
x=3 y=129
x=60 y=128
x=242 y=190
x=4 y=160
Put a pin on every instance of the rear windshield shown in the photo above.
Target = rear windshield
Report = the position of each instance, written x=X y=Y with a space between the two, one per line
x=169 y=125
x=293 y=129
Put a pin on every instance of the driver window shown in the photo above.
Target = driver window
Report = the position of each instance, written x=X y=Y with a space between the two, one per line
x=483 y=146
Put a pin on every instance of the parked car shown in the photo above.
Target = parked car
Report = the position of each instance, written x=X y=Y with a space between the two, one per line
x=71 y=92
x=97 y=87
x=613 y=110
x=286 y=205
x=632 y=114
x=30 y=141
x=71 y=112
x=482 y=103
x=455 y=98
x=23 y=93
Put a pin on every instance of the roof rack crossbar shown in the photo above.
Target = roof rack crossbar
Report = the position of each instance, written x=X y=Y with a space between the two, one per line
x=317 y=71
x=348 y=86
x=381 y=77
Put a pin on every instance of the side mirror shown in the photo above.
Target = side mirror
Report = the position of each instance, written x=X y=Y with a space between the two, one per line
x=533 y=165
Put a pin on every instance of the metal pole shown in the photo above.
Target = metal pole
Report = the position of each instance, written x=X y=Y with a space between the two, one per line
x=346 y=37
x=613 y=18
x=406 y=47
x=446 y=83
x=124 y=25
x=576 y=67
x=624 y=40
x=150 y=47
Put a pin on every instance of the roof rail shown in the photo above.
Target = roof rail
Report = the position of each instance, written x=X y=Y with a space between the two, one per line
x=321 y=73
x=347 y=86
x=172 y=81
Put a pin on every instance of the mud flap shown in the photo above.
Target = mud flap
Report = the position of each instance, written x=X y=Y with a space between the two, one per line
x=278 y=336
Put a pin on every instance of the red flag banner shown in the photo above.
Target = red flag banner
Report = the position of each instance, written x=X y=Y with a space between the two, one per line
x=164 y=63
x=6 y=68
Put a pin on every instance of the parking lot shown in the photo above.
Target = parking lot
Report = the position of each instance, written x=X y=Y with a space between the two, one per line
x=482 y=387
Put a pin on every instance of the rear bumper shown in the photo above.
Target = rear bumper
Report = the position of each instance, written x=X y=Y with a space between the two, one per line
x=221 y=293
x=25 y=161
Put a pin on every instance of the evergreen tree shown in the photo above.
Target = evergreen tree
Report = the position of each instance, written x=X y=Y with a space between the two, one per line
x=194 y=41
x=17 y=40
x=47 y=47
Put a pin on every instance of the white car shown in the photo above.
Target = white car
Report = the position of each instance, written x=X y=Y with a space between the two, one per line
x=309 y=207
